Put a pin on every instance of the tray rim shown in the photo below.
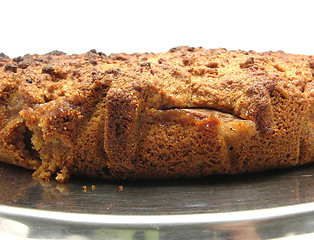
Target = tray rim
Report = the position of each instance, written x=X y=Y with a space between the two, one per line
x=258 y=215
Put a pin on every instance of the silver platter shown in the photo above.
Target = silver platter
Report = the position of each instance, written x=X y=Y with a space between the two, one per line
x=269 y=205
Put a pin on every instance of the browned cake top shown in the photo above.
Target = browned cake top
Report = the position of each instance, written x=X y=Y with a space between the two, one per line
x=231 y=81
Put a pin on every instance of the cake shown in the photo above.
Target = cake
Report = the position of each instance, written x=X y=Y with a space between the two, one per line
x=189 y=112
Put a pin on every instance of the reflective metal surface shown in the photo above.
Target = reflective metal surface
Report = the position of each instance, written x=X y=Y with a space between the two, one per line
x=269 y=205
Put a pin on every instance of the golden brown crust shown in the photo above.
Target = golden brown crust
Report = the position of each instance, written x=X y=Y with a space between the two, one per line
x=189 y=112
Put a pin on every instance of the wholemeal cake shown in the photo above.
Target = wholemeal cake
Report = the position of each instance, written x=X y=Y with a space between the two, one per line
x=189 y=112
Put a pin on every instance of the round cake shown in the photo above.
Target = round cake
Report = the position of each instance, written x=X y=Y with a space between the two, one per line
x=189 y=112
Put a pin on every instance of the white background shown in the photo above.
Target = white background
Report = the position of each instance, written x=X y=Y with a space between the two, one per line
x=34 y=26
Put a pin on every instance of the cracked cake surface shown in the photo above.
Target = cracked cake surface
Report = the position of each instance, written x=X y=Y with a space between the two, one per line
x=189 y=112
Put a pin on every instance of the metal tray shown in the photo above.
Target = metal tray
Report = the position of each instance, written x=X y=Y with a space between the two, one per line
x=268 y=205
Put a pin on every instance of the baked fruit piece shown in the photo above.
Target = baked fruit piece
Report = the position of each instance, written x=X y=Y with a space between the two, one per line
x=190 y=112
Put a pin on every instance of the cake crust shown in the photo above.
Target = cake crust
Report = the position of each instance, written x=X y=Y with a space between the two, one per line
x=189 y=112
